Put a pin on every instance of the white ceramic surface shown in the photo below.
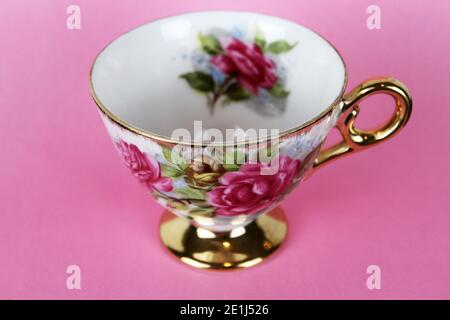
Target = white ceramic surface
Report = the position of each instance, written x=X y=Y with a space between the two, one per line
x=137 y=77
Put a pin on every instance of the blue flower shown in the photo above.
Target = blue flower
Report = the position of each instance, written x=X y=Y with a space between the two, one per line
x=200 y=61
x=218 y=76
x=178 y=183
x=237 y=33
x=263 y=96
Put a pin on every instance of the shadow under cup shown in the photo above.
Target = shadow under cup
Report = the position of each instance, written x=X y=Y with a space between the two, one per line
x=234 y=79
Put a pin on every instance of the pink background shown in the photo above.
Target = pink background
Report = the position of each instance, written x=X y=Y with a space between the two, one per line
x=65 y=197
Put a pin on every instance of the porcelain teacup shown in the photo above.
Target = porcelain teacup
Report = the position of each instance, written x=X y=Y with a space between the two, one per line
x=220 y=115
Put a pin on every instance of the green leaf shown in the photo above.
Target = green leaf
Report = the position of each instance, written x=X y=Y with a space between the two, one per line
x=280 y=46
x=278 y=91
x=174 y=158
x=236 y=92
x=200 y=203
x=167 y=154
x=233 y=157
x=202 y=212
x=260 y=41
x=190 y=193
x=231 y=167
x=171 y=171
x=178 y=205
x=178 y=159
x=210 y=44
x=199 y=81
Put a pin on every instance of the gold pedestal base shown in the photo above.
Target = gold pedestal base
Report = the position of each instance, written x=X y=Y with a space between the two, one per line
x=240 y=248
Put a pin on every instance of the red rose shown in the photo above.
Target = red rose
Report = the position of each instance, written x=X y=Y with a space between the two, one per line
x=252 y=69
x=143 y=166
x=248 y=192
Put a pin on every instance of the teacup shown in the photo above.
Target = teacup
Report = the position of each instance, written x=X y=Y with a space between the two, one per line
x=265 y=91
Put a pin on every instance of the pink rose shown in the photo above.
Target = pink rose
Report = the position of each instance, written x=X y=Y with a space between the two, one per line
x=143 y=166
x=252 y=69
x=248 y=192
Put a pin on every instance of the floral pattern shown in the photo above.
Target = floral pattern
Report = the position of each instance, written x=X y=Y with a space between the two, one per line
x=248 y=64
x=204 y=172
x=248 y=192
x=143 y=167
x=238 y=70
x=206 y=187
x=209 y=189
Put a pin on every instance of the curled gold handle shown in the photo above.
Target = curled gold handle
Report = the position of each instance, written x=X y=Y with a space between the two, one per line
x=354 y=139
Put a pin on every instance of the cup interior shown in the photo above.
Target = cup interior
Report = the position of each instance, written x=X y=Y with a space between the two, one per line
x=227 y=69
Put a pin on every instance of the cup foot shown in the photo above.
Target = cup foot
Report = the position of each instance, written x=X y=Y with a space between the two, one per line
x=242 y=247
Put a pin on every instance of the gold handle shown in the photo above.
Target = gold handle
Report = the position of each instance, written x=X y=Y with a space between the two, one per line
x=355 y=139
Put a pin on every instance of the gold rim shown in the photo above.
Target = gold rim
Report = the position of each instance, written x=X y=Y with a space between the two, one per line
x=124 y=124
